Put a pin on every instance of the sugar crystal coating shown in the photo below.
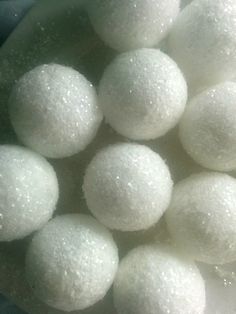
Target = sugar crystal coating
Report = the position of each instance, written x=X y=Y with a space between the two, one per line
x=71 y=262
x=127 y=187
x=54 y=110
x=126 y=25
x=203 y=41
x=142 y=94
x=154 y=279
x=28 y=192
x=208 y=127
x=202 y=218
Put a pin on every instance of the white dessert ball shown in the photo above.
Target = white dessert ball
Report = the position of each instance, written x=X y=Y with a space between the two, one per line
x=127 y=187
x=54 y=110
x=28 y=192
x=142 y=94
x=71 y=263
x=203 y=41
x=202 y=218
x=154 y=279
x=208 y=127
x=126 y=25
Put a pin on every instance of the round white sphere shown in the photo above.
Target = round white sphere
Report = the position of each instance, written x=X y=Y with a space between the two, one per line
x=28 y=192
x=143 y=94
x=54 y=110
x=126 y=25
x=127 y=187
x=203 y=41
x=202 y=218
x=71 y=263
x=208 y=127
x=154 y=279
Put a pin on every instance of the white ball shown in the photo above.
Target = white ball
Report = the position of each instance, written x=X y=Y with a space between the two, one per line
x=154 y=279
x=71 y=263
x=127 y=187
x=143 y=94
x=126 y=25
x=54 y=110
x=202 y=218
x=28 y=192
x=208 y=127
x=203 y=41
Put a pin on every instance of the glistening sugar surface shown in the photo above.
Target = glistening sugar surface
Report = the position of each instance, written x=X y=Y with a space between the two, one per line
x=28 y=192
x=203 y=42
x=155 y=279
x=142 y=94
x=126 y=25
x=208 y=127
x=127 y=187
x=54 y=110
x=202 y=218
x=71 y=262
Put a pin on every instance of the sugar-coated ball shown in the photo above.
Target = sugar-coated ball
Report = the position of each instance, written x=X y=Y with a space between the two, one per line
x=142 y=94
x=202 y=218
x=28 y=192
x=71 y=263
x=203 y=41
x=154 y=279
x=54 y=110
x=127 y=187
x=126 y=25
x=208 y=127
